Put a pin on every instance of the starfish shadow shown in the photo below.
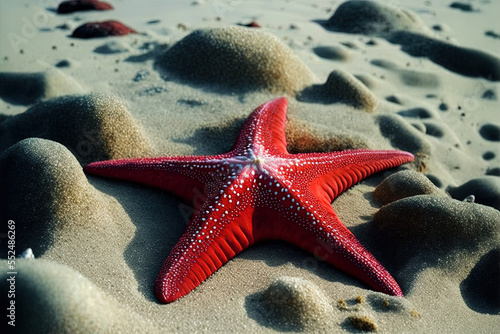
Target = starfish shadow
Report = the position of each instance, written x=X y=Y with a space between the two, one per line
x=393 y=258
x=279 y=254
x=276 y=253
x=159 y=222
x=406 y=259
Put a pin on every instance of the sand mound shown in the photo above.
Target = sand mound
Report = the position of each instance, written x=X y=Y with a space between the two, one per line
x=43 y=186
x=340 y=87
x=302 y=139
x=419 y=78
x=486 y=191
x=54 y=298
x=333 y=53
x=480 y=288
x=368 y=80
x=439 y=130
x=403 y=135
x=402 y=27
x=363 y=322
x=291 y=303
x=372 y=18
x=465 y=61
x=438 y=221
x=236 y=59
x=384 y=63
x=409 y=77
x=466 y=7
x=404 y=184
x=112 y=47
x=93 y=127
x=29 y=88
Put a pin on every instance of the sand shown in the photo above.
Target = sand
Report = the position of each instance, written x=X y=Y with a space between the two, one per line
x=413 y=75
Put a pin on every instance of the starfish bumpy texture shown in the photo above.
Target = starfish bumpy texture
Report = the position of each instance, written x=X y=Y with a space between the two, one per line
x=259 y=191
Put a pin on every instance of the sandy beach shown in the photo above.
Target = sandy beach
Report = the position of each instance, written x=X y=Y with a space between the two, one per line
x=179 y=78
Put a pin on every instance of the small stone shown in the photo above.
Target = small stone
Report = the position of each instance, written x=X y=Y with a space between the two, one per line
x=341 y=304
x=154 y=90
x=141 y=75
x=360 y=299
x=27 y=254
x=470 y=199
x=363 y=322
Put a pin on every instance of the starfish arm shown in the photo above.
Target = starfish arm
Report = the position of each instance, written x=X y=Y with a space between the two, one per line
x=336 y=245
x=218 y=231
x=185 y=177
x=265 y=127
x=331 y=174
x=317 y=229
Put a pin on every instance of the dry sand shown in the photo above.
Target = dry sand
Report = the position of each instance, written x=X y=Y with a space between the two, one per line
x=413 y=75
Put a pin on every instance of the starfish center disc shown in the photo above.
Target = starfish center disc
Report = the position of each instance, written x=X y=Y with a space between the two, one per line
x=253 y=160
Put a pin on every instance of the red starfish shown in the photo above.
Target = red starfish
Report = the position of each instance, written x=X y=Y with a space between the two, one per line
x=259 y=191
